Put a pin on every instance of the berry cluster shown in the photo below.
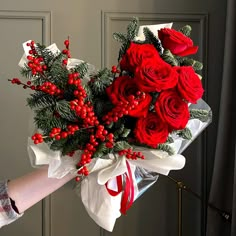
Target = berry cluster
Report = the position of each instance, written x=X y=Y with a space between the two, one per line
x=114 y=70
x=123 y=108
x=37 y=138
x=35 y=62
x=82 y=109
x=101 y=135
x=66 y=51
x=129 y=154
x=50 y=88
x=58 y=134
x=25 y=86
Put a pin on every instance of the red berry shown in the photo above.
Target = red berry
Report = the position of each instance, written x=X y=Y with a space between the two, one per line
x=67 y=43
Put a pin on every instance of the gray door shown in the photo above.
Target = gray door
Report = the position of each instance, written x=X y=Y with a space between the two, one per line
x=90 y=25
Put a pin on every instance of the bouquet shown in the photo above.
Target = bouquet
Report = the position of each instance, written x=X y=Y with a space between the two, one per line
x=115 y=128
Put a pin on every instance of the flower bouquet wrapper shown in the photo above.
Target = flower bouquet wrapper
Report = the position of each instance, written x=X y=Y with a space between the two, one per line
x=116 y=181
x=106 y=208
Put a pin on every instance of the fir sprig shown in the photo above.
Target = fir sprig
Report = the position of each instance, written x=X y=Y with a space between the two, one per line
x=101 y=81
x=45 y=120
x=82 y=69
x=202 y=115
x=125 y=39
x=62 y=107
x=185 y=133
x=150 y=38
x=40 y=99
x=186 y=30
x=168 y=57
x=132 y=29
x=166 y=148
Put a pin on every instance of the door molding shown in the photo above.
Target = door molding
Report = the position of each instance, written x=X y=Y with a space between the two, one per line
x=44 y=16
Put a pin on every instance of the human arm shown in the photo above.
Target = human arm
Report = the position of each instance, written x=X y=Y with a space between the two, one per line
x=26 y=191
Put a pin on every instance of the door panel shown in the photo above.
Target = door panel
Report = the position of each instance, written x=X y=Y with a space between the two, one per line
x=90 y=25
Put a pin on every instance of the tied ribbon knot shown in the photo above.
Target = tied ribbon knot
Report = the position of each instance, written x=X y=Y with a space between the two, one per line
x=127 y=188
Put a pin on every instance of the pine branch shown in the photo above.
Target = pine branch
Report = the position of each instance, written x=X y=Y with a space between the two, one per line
x=185 y=133
x=101 y=151
x=101 y=81
x=166 y=148
x=120 y=37
x=132 y=29
x=202 y=115
x=73 y=142
x=82 y=69
x=40 y=99
x=26 y=72
x=64 y=110
x=125 y=133
x=47 y=55
x=186 y=30
x=169 y=140
x=45 y=120
x=168 y=57
x=119 y=131
x=101 y=107
x=184 y=61
x=123 y=49
x=150 y=38
x=57 y=74
x=121 y=145
x=89 y=92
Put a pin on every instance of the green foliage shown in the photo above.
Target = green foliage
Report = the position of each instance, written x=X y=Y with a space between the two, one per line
x=101 y=81
x=123 y=49
x=40 y=99
x=125 y=39
x=184 y=61
x=46 y=120
x=101 y=106
x=121 y=145
x=132 y=28
x=79 y=139
x=169 y=140
x=166 y=148
x=46 y=54
x=185 y=133
x=26 y=72
x=186 y=30
x=101 y=151
x=56 y=73
x=202 y=115
x=89 y=92
x=120 y=37
x=170 y=58
x=82 y=69
x=150 y=38
x=64 y=110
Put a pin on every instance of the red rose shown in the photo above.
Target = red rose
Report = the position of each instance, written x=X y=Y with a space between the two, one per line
x=189 y=84
x=120 y=91
x=135 y=54
x=172 y=109
x=150 y=130
x=155 y=76
x=178 y=43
